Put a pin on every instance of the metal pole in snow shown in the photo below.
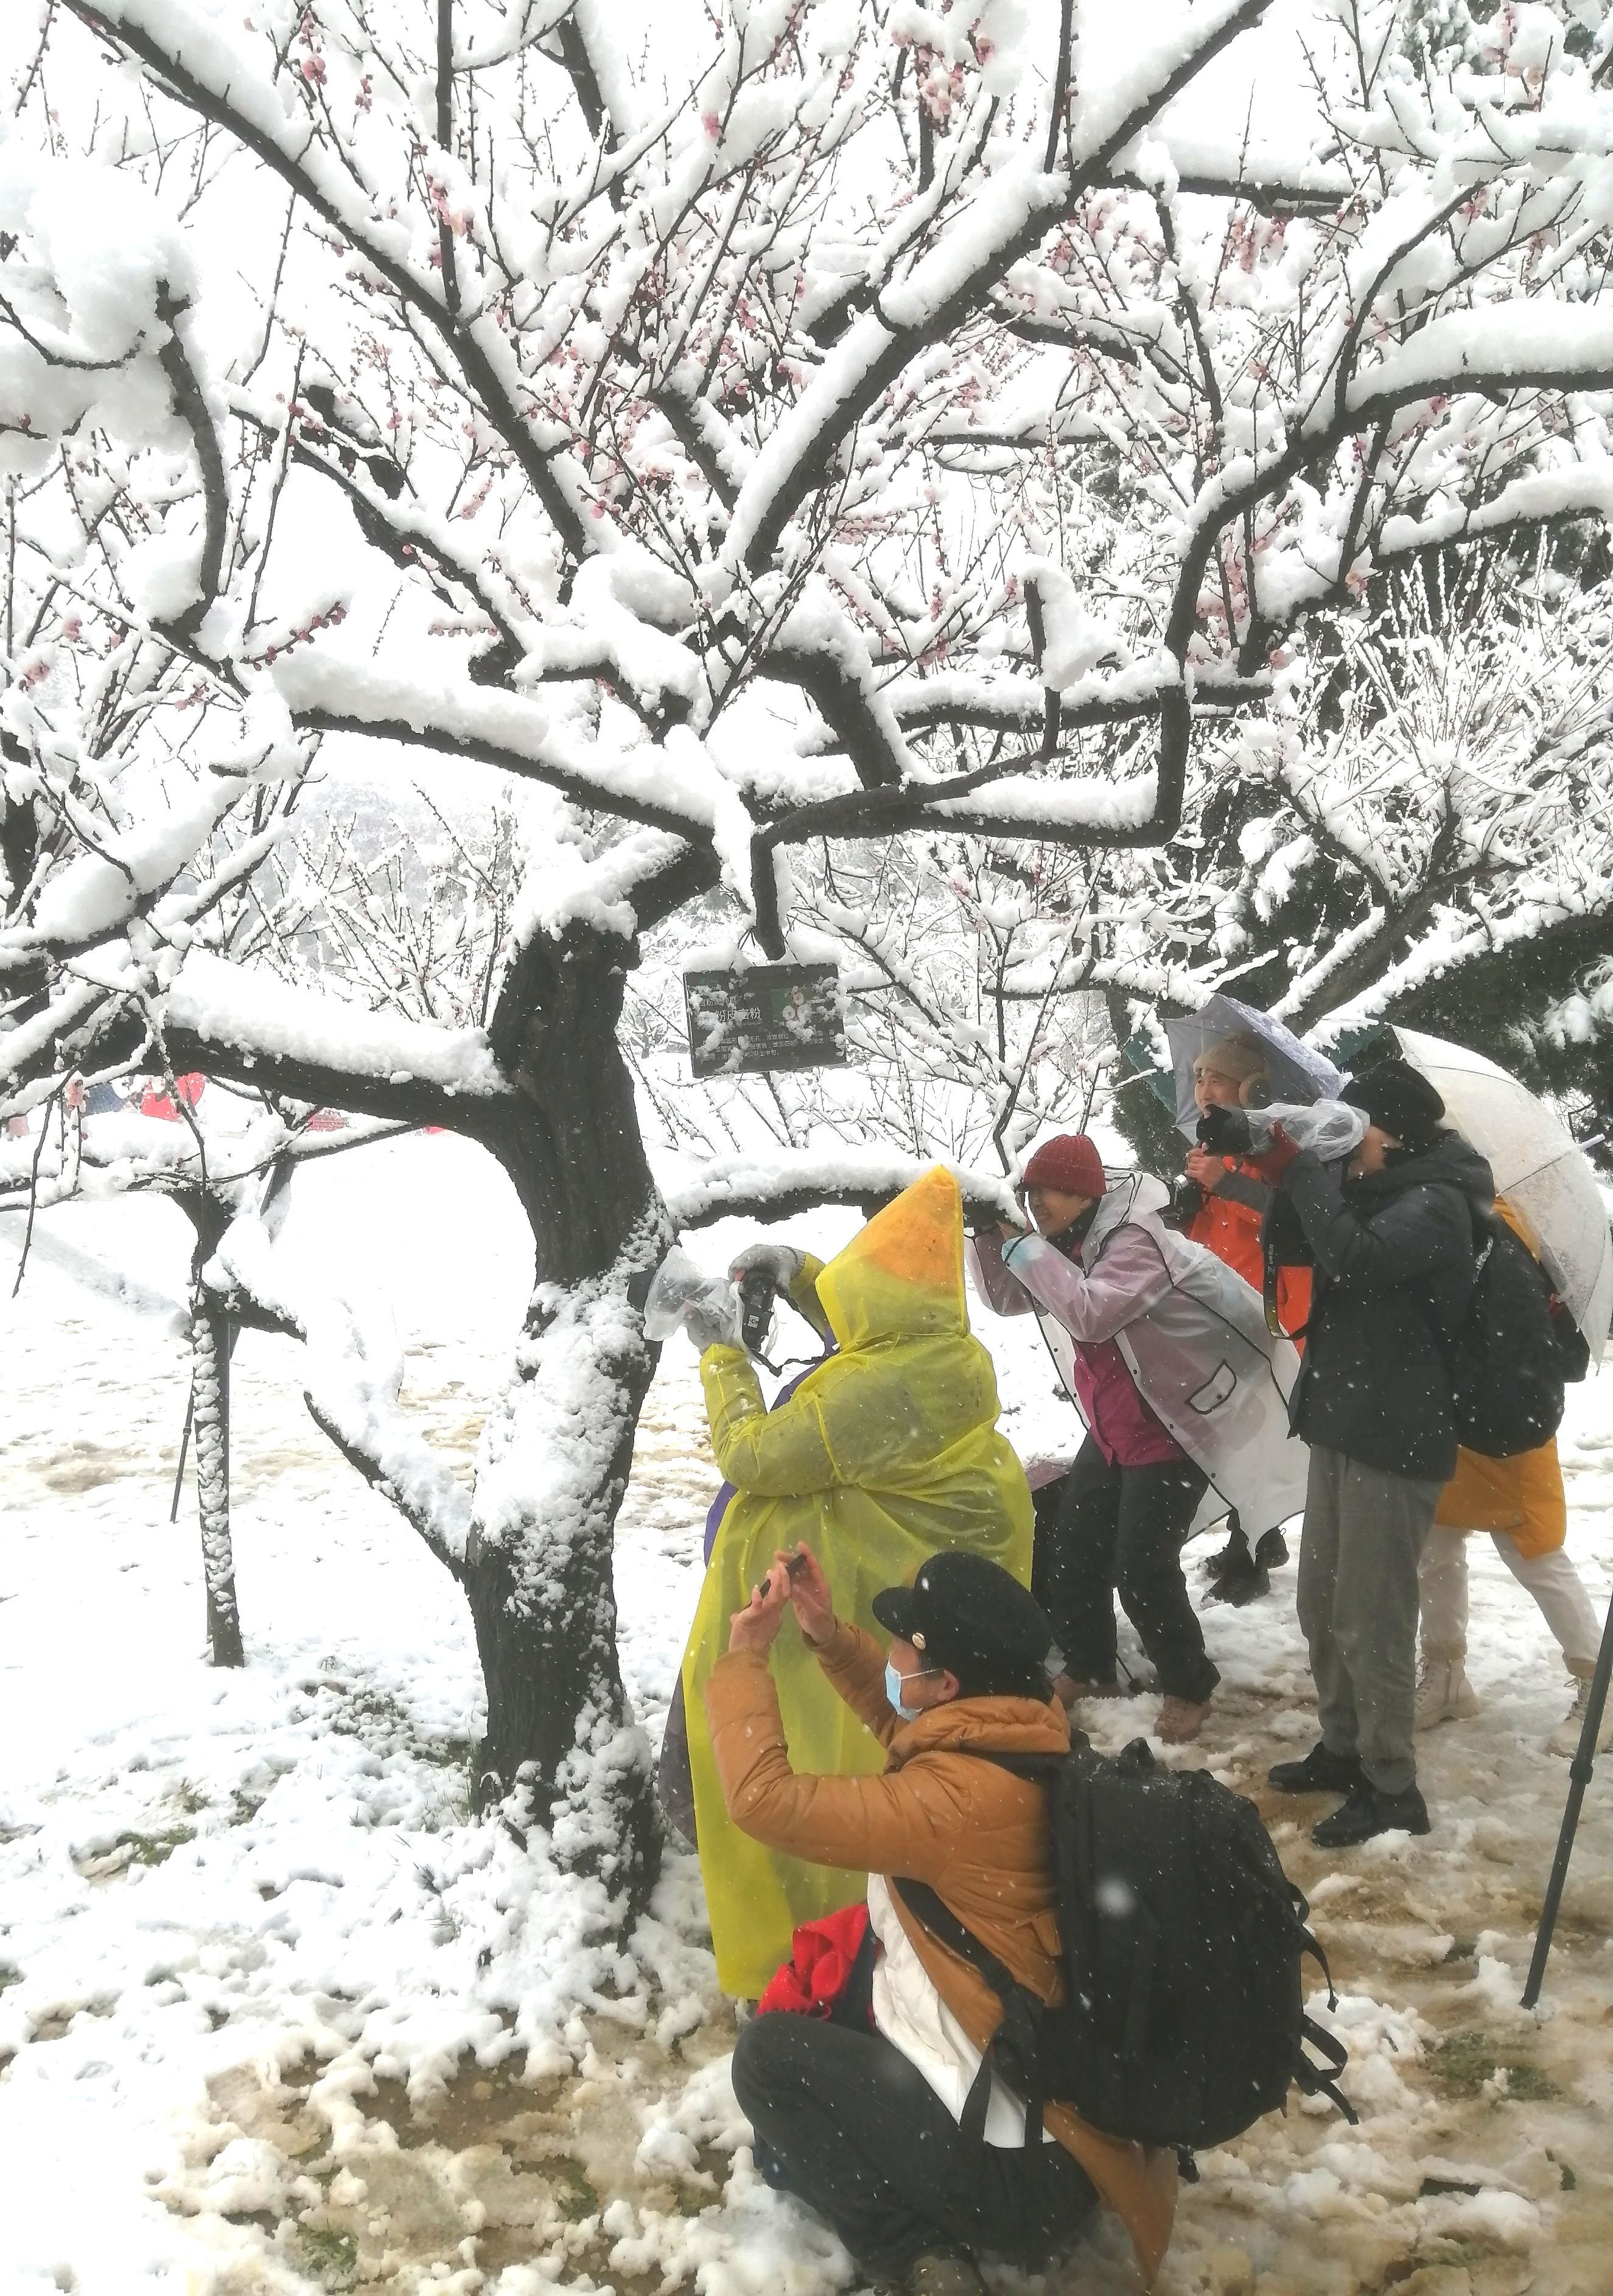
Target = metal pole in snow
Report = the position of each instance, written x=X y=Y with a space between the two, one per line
x=1579 y=1772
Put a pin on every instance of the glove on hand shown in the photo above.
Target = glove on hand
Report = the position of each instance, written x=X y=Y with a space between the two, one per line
x=713 y=1321
x=779 y=1263
x=1225 y=1132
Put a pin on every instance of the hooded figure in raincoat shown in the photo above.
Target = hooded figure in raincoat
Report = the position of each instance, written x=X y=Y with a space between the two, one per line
x=885 y=1454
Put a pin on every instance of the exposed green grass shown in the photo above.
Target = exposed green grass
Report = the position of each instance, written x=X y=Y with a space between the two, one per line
x=331 y=2256
x=1464 y=2062
x=574 y=2196
x=154 y=1849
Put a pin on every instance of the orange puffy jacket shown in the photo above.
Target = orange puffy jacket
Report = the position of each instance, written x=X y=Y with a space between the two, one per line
x=1228 y=1224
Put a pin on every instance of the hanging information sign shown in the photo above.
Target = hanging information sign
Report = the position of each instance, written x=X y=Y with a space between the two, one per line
x=770 y=1016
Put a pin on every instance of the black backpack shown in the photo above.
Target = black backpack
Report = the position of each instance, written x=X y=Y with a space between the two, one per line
x=1513 y=1352
x=1184 y=2018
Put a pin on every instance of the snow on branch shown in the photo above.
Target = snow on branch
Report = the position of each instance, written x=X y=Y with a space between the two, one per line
x=777 y=1186
x=335 y=693
x=1505 y=346
x=267 y=1028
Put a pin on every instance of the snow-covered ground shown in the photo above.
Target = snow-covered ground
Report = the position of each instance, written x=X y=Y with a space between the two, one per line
x=277 y=2016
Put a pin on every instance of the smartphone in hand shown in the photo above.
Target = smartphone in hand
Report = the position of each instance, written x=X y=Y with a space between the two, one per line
x=793 y=1564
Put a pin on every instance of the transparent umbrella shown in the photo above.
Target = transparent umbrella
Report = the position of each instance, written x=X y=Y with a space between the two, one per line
x=1298 y=1072
x=1539 y=1167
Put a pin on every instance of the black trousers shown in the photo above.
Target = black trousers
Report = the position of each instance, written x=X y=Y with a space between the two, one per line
x=1111 y=1531
x=845 y=2123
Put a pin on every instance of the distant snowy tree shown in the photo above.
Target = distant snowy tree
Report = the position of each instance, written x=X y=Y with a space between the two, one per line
x=1423 y=833
x=755 y=432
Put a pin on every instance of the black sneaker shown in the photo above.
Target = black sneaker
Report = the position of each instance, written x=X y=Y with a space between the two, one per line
x=1367 y=1812
x=1321 y=1772
x=1243 y=1581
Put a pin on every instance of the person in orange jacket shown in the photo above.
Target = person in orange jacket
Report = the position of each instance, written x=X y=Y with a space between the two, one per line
x=1520 y=1502
x=1224 y=1204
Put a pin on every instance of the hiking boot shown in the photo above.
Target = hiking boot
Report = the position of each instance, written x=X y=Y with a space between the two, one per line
x=1321 y=1772
x=1180 y=1720
x=949 y=2272
x=1565 y=1739
x=1365 y=1812
x=1444 y=1692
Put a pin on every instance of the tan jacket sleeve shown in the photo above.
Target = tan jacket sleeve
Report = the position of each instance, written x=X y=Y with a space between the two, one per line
x=854 y=1666
x=903 y=1823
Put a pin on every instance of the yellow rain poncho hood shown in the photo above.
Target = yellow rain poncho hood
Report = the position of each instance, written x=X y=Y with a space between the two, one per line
x=886 y=1453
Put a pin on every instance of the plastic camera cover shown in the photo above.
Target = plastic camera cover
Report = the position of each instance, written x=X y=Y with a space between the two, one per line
x=678 y=1284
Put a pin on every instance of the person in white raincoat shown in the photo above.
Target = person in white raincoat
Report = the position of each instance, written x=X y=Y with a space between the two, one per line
x=1184 y=1393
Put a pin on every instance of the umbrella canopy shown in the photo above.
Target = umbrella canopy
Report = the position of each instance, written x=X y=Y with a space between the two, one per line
x=1299 y=1073
x=1539 y=1167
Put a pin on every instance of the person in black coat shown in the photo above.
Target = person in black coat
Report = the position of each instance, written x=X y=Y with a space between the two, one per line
x=1390 y=1238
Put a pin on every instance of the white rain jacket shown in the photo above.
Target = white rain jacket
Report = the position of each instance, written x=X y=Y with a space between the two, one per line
x=1193 y=1336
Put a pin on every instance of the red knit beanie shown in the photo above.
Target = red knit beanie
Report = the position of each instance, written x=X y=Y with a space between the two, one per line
x=1070 y=1163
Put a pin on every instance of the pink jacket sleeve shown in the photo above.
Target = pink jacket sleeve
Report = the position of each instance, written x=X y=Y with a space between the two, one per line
x=1092 y=1305
x=983 y=1255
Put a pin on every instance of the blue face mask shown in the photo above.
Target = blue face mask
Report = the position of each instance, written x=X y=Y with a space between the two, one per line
x=893 y=1689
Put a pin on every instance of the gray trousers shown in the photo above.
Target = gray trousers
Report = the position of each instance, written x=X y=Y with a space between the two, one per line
x=1358 y=1598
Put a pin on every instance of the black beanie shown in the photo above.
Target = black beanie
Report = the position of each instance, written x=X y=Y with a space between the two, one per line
x=1399 y=1100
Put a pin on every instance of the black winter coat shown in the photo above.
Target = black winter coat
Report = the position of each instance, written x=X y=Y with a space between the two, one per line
x=1393 y=1255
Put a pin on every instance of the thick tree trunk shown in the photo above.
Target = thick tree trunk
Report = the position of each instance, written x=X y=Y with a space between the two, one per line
x=556 y=1451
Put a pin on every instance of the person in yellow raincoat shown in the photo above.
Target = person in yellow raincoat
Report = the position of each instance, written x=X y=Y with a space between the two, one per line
x=1520 y=1502
x=886 y=1453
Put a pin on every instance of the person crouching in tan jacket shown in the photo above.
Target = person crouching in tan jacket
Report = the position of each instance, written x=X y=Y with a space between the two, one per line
x=864 y=2125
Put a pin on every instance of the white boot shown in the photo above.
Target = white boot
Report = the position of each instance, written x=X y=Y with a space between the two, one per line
x=1564 y=1738
x=1444 y=1692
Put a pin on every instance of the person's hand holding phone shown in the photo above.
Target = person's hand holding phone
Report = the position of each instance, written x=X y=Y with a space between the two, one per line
x=756 y=1627
x=809 y=1594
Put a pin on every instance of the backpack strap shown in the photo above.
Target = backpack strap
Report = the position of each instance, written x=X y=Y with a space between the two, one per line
x=1014 y=2050
x=1043 y=1770
x=1322 y=2080
x=1309 y=1945
x=937 y=1917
